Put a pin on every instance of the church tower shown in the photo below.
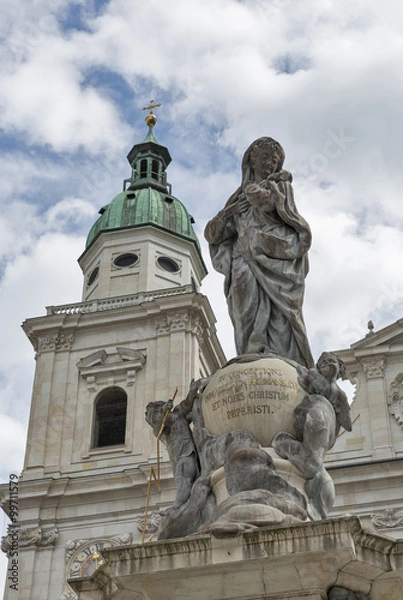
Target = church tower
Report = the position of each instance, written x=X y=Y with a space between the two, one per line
x=141 y=330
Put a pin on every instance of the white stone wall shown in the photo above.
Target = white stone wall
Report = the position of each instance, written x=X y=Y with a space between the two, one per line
x=148 y=243
x=367 y=463
x=90 y=494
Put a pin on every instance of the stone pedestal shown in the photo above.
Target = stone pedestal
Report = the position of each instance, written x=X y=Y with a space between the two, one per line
x=302 y=561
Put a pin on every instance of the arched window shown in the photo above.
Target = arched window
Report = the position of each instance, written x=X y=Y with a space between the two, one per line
x=155 y=170
x=143 y=168
x=110 y=418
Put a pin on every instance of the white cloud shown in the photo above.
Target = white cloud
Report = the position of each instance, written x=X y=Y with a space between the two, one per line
x=58 y=110
x=67 y=212
x=43 y=91
x=47 y=275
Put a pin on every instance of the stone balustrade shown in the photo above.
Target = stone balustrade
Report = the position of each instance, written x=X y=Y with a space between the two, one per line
x=103 y=304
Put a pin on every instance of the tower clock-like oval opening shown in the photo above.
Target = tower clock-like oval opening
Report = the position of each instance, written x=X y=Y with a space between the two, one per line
x=126 y=260
x=168 y=264
x=110 y=418
x=93 y=275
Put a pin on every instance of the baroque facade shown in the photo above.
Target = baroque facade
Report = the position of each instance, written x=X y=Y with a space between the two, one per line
x=367 y=463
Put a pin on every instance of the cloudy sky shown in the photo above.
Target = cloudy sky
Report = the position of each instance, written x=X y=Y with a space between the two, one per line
x=324 y=77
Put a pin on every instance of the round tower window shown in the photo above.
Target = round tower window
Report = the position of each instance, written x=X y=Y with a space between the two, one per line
x=94 y=274
x=168 y=264
x=126 y=260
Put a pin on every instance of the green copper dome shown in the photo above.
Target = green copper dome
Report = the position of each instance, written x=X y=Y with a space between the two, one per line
x=147 y=199
x=144 y=206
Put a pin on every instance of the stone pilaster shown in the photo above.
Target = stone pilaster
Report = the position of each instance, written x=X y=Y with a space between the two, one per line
x=374 y=370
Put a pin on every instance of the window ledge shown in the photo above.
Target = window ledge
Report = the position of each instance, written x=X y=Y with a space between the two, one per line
x=106 y=450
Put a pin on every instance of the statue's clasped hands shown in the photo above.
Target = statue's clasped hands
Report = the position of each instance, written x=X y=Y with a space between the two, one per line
x=237 y=208
x=257 y=195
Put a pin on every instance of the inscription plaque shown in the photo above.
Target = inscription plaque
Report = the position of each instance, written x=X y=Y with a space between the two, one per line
x=258 y=396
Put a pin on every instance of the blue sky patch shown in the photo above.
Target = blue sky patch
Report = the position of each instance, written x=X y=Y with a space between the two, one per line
x=290 y=64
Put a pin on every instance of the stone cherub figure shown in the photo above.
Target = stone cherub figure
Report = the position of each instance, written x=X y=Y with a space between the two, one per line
x=178 y=439
x=317 y=421
x=317 y=418
x=259 y=242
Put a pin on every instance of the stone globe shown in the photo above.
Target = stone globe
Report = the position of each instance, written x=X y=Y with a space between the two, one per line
x=259 y=396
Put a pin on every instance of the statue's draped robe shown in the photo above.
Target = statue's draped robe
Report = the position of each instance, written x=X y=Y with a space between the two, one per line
x=263 y=255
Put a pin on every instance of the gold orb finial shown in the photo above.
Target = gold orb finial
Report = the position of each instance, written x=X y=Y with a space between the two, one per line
x=151 y=119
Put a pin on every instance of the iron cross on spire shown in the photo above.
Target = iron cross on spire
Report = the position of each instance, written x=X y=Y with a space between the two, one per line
x=151 y=106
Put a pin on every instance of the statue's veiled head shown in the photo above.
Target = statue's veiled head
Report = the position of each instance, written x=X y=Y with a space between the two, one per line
x=263 y=157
